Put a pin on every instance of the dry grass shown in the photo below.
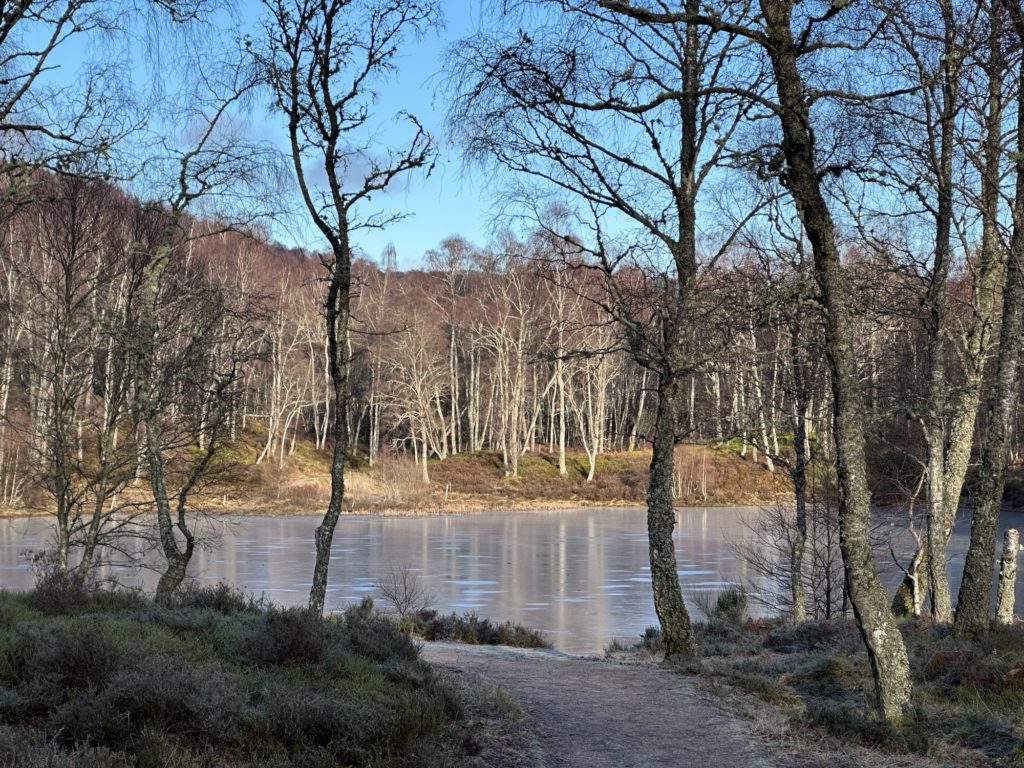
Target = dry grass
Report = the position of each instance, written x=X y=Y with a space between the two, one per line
x=811 y=688
x=706 y=475
x=476 y=482
x=496 y=731
x=621 y=479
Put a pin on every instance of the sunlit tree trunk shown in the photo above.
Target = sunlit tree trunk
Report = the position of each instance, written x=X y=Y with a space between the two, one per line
x=886 y=650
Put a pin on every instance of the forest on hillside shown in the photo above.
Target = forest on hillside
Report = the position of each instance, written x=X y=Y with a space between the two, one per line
x=794 y=228
x=507 y=351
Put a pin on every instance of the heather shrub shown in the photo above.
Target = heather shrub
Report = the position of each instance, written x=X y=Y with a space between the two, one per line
x=221 y=597
x=183 y=687
x=288 y=636
x=198 y=701
x=475 y=630
x=366 y=633
x=58 y=591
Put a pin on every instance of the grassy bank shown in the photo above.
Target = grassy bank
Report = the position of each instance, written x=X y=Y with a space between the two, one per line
x=218 y=679
x=706 y=475
x=810 y=686
x=299 y=481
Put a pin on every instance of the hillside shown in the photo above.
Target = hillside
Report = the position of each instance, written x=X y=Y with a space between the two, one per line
x=706 y=475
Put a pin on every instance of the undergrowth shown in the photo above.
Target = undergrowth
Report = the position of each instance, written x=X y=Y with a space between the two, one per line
x=968 y=706
x=811 y=686
x=471 y=629
x=217 y=678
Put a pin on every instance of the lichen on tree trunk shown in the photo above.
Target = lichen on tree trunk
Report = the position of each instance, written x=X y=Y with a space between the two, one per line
x=798 y=473
x=886 y=650
x=336 y=307
x=1007 y=577
x=972 y=610
x=676 y=628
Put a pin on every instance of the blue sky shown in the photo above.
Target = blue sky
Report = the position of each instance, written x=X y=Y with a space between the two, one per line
x=450 y=201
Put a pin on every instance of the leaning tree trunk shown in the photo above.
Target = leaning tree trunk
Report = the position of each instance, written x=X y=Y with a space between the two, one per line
x=676 y=629
x=337 y=313
x=177 y=557
x=886 y=649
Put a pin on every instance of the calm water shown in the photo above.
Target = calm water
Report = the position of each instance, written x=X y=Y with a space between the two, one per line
x=579 y=575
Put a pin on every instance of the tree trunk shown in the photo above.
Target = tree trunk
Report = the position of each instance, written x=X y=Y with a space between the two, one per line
x=677 y=631
x=799 y=476
x=337 y=312
x=1007 y=577
x=560 y=365
x=938 y=569
x=639 y=413
x=908 y=599
x=887 y=652
x=424 y=469
x=976 y=587
x=173 y=575
x=935 y=408
x=961 y=403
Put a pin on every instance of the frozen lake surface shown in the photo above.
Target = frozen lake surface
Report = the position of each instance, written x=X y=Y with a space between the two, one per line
x=581 y=576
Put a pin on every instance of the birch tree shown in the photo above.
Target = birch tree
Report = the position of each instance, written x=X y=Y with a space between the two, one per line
x=322 y=62
x=793 y=36
x=619 y=120
x=972 y=610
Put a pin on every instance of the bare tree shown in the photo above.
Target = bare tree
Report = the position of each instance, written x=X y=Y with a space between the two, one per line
x=190 y=339
x=510 y=332
x=216 y=167
x=322 y=61
x=450 y=261
x=417 y=386
x=44 y=125
x=70 y=254
x=617 y=121
x=886 y=649
x=791 y=35
x=972 y=609
x=590 y=378
x=928 y=131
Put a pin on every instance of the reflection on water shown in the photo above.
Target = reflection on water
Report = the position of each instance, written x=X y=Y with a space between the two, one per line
x=579 y=575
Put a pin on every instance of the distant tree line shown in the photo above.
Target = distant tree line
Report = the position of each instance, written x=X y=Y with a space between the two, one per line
x=479 y=350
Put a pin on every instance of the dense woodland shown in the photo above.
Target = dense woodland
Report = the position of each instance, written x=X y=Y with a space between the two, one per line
x=791 y=228
x=481 y=350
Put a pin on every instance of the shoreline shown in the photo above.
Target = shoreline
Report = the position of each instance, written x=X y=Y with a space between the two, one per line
x=458 y=508
x=462 y=484
x=467 y=509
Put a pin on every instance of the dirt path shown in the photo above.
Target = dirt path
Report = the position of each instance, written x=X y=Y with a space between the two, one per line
x=595 y=714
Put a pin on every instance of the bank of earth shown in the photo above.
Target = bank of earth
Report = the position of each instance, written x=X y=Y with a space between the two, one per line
x=707 y=475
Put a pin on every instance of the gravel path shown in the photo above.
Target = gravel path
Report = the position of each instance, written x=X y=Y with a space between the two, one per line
x=589 y=713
